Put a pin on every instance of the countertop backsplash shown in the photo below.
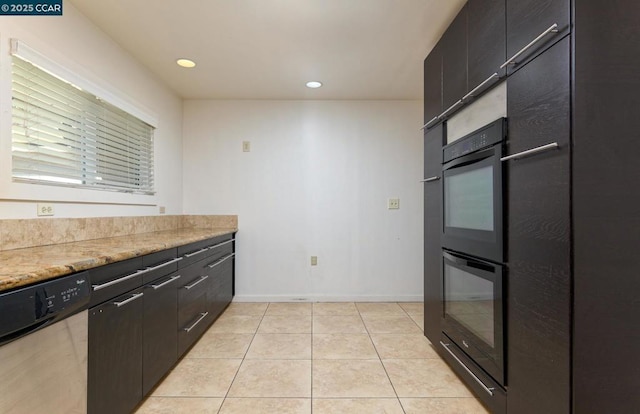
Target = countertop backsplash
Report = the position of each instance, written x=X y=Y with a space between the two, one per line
x=22 y=233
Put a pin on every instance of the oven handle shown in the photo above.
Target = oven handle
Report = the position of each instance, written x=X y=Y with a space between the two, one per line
x=484 y=387
x=469 y=158
x=476 y=264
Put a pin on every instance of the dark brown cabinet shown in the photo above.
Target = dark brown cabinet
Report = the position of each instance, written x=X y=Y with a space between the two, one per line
x=146 y=312
x=606 y=212
x=192 y=305
x=160 y=334
x=433 y=141
x=454 y=60
x=527 y=19
x=539 y=278
x=433 y=84
x=115 y=355
x=486 y=39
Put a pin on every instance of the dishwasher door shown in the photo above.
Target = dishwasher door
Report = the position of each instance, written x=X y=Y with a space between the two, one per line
x=46 y=371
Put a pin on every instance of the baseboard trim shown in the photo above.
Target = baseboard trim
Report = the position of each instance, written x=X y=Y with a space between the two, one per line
x=322 y=298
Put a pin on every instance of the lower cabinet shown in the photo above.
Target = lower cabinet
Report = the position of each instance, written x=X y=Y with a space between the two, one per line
x=137 y=333
x=192 y=306
x=115 y=354
x=160 y=336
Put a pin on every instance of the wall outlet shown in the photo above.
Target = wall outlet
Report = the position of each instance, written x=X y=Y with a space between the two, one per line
x=45 y=209
x=162 y=209
x=393 y=203
x=246 y=146
x=314 y=260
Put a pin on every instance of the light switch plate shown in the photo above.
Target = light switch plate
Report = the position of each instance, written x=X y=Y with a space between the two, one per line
x=314 y=260
x=246 y=146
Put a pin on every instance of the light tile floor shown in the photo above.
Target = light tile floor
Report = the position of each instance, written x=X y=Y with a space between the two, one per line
x=318 y=358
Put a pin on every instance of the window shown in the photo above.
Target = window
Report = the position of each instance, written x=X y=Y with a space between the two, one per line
x=64 y=135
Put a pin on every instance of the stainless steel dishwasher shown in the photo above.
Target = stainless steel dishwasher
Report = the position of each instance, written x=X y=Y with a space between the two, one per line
x=43 y=347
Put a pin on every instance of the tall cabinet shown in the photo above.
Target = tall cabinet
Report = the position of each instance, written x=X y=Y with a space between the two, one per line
x=573 y=212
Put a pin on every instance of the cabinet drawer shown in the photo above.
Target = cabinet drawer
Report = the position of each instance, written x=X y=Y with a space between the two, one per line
x=115 y=279
x=193 y=252
x=192 y=307
x=160 y=264
x=220 y=250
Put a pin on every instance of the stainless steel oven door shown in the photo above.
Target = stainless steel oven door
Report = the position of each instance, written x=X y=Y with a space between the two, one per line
x=473 y=310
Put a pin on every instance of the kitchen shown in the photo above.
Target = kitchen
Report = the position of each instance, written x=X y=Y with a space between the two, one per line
x=320 y=166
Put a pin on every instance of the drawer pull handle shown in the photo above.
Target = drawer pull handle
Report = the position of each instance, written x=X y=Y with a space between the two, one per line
x=202 y=316
x=161 y=265
x=211 y=266
x=428 y=124
x=487 y=389
x=430 y=179
x=479 y=87
x=202 y=278
x=156 y=287
x=221 y=244
x=532 y=151
x=131 y=299
x=512 y=61
x=116 y=281
x=197 y=252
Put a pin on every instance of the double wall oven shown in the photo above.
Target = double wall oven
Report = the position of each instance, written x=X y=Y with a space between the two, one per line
x=473 y=252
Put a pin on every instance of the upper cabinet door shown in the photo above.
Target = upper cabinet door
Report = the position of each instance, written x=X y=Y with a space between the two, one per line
x=433 y=84
x=486 y=39
x=454 y=60
x=527 y=20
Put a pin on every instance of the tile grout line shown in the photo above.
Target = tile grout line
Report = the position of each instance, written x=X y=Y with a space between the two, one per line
x=380 y=359
x=224 y=399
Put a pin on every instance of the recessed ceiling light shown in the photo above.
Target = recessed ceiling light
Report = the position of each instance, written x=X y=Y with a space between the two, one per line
x=186 y=63
x=314 y=84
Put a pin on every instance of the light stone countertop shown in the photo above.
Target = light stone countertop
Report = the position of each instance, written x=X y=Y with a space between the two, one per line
x=23 y=267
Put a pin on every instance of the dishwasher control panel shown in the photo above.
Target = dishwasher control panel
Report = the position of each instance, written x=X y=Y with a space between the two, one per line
x=33 y=307
x=56 y=297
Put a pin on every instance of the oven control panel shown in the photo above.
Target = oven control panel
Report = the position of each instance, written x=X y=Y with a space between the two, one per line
x=484 y=137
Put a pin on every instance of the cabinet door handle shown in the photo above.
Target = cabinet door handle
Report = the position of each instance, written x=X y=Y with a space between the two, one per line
x=449 y=109
x=202 y=278
x=131 y=299
x=156 y=287
x=116 y=281
x=430 y=179
x=195 y=253
x=532 y=151
x=435 y=118
x=221 y=244
x=512 y=61
x=211 y=266
x=484 y=387
x=479 y=87
x=202 y=316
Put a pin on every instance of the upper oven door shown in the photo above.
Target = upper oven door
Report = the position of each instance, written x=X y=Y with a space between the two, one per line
x=472 y=204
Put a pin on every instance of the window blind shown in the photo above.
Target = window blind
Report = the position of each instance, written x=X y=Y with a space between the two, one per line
x=63 y=135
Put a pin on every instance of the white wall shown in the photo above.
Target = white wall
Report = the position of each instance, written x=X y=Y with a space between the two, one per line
x=75 y=43
x=316 y=182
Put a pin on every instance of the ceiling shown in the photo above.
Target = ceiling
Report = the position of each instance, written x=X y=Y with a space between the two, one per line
x=269 y=49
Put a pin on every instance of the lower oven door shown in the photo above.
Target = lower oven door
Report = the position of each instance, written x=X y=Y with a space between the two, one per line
x=46 y=371
x=473 y=310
